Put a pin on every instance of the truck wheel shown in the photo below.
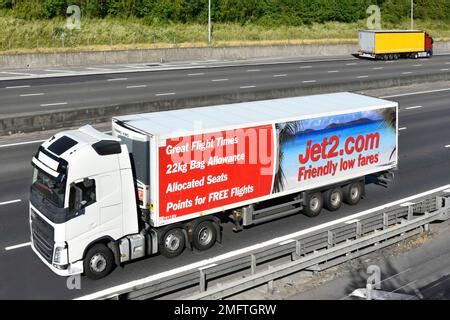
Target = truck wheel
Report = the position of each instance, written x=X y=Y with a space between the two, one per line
x=391 y=57
x=204 y=235
x=172 y=243
x=333 y=199
x=313 y=204
x=352 y=193
x=99 y=262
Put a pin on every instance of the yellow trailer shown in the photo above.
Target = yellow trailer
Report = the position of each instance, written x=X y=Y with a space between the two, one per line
x=393 y=44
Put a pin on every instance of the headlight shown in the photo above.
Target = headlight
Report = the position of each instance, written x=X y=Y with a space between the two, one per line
x=60 y=255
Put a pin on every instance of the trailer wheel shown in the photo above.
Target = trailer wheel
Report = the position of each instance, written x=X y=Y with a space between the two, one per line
x=313 y=204
x=396 y=56
x=352 y=193
x=333 y=199
x=391 y=57
x=204 y=235
x=99 y=262
x=172 y=243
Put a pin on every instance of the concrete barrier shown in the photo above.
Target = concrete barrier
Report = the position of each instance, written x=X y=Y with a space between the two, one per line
x=44 y=60
x=38 y=121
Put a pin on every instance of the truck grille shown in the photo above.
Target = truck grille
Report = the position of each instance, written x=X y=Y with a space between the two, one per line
x=43 y=236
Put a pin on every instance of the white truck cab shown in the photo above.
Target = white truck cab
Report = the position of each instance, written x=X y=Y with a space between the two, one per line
x=82 y=193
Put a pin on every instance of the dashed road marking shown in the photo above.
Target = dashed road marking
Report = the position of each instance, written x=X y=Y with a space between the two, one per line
x=18 y=246
x=411 y=108
x=9 y=202
x=53 y=104
x=137 y=86
x=32 y=94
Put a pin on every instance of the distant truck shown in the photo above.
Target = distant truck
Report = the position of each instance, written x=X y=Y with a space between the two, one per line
x=165 y=181
x=395 y=44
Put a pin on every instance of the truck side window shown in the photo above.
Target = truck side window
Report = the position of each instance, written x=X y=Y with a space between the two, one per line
x=89 y=195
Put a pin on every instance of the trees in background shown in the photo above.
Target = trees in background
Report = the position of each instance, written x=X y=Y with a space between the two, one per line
x=266 y=12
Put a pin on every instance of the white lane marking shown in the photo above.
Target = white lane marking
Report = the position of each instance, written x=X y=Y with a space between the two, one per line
x=10 y=202
x=98 y=69
x=378 y=68
x=32 y=142
x=137 y=86
x=21 y=143
x=279 y=75
x=18 y=246
x=32 y=94
x=447 y=146
x=407 y=72
x=228 y=255
x=309 y=81
x=254 y=70
x=20 y=73
x=165 y=94
x=306 y=67
x=361 y=77
x=63 y=71
x=134 y=67
x=246 y=87
x=403 y=128
x=333 y=71
x=351 y=64
x=444 y=69
x=417 y=65
x=415 y=93
x=17 y=87
x=447 y=63
x=196 y=74
x=219 y=80
x=118 y=79
x=411 y=108
x=53 y=104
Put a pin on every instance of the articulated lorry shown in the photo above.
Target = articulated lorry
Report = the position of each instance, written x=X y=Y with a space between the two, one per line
x=395 y=44
x=166 y=181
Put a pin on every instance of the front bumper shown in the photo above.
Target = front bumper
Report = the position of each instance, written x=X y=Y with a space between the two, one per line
x=72 y=268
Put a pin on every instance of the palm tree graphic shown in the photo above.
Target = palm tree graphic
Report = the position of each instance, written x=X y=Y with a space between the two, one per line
x=285 y=132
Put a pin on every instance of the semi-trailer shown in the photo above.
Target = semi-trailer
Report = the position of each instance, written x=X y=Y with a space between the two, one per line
x=166 y=181
x=395 y=44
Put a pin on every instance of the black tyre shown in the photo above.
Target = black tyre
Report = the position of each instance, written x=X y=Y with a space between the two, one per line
x=204 y=236
x=98 y=262
x=333 y=199
x=172 y=243
x=391 y=57
x=313 y=204
x=353 y=193
x=396 y=56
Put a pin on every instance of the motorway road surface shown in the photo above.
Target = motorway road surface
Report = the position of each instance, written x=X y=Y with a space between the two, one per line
x=59 y=93
x=424 y=148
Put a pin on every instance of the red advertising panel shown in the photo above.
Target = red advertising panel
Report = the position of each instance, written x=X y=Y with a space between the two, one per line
x=207 y=171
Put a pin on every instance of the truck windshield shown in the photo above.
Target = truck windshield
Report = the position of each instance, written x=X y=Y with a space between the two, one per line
x=49 y=188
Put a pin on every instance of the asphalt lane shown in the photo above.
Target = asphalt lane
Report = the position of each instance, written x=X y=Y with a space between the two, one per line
x=424 y=164
x=59 y=93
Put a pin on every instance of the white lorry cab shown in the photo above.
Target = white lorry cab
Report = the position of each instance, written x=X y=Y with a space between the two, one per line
x=163 y=181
